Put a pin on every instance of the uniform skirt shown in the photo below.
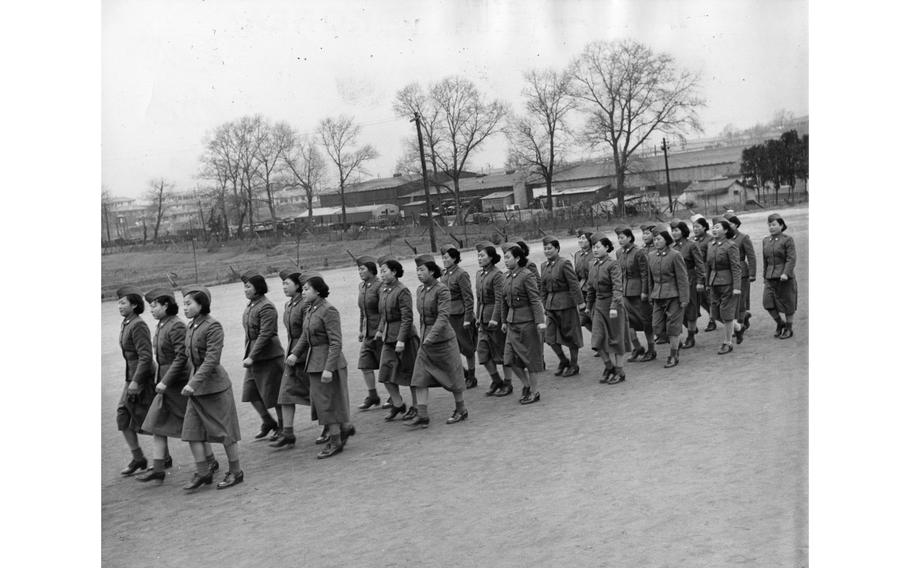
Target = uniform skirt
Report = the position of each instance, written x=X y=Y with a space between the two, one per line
x=131 y=413
x=397 y=368
x=585 y=320
x=467 y=336
x=211 y=418
x=692 y=308
x=723 y=303
x=491 y=344
x=639 y=313
x=704 y=300
x=780 y=295
x=524 y=348
x=439 y=365
x=610 y=335
x=564 y=328
x=667 y=317
x=330 y=400
x=370 y=354
x=165 y=415
x=743 y=303
x=295 y=385
x=262 y=382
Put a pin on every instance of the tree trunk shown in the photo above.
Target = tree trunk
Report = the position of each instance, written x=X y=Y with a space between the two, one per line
x=457 y=200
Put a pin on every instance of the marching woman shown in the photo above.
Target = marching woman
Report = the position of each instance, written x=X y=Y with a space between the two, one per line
x=523 y=322
x=139 y=386
x=695 y=270
x=461 y=312
x=582 y=263
x=669 y=291
x=723 y=274
x=530 y=266
x=702 y=238
x=606 y=308
x=211 y=415
x=491 y=340
x=295 y=383
x=398 y=336
x=561 y=297
x=749 y=269
x=370 y=347
x=165 y=417
x=634 y=264
x=438 y=360
x=326 y=366
x=779 y=262
x=262 y=355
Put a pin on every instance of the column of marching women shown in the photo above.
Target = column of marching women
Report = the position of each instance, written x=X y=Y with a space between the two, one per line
x=176 y=387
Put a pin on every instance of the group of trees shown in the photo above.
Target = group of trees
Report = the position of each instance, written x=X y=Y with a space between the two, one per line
x=779 y=161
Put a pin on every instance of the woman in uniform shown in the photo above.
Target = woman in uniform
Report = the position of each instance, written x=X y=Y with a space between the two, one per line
x=211 y=415
x=165 y=416
x=139 y=386
x=695 y=270
x=702 y=238
x=326 y=366
x=461 y=312
x=582 y=263
x=523 y=322
x=561 y=297
x=295 y=384
x=438 y=360
x=749 y=269
x=634 y=264
x=606 y=308
x=491 y=340
x=723 y=274
x=779 y=265
x=370 y=347
x=531 y=265
x=398 y=337
x=262 y=355
x=669 y=285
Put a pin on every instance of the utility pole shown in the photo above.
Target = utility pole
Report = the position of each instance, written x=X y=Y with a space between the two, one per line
x=665 y=147
x=426 y=185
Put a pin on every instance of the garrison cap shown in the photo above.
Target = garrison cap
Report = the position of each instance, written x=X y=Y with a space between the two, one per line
x=361 y=260
x=245 y=277
x=422 y=259
x=647 y=226
x=445 y=248
x=128 y=290
x=289 y=273
x=483 y=244
x=159 y=292
x=197 y=288
x=551 y=239
x=778 y=218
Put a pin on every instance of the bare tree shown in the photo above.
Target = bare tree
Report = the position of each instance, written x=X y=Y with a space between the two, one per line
x=221 y=166
x=159 y=196
x=339 y=138
x=272 y=142
x=412 y=99
x=307 y=168
x=629 y=92
x=540 y=139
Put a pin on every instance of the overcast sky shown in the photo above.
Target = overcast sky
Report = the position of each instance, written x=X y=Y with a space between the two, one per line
x=174 y=70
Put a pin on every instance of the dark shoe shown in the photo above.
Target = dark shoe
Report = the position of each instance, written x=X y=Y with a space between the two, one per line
x=470 y=383
x=330 y=449
x=168 y=462
x=711 y=326
x=597 y=353
x=265 y=429
x=150 y=476
x=410 y=414
x=213 y=466
x=134 y=466
x=419 y=422
x=690 y=341
x=198 y=481
x=780 y=328
x=616 y=379
x=636 y=355
x=284 y=440
x=649 y=355
x=505 y=389
x=387 y=404
x=725 y=348
x=607 y=375
x=347 y=433
x=738 y=335
x=457 y=416
x=672 y=361
x=275 y=435
x=525 y=394
x=369 y=402
x=662 y=340
x=787 y=332
x=531 y=398
x=563 y=365
x=324 y=436
x=230 y=479
x=494 y=388
x=746 y=319
x=396 y=410
x=571 y=371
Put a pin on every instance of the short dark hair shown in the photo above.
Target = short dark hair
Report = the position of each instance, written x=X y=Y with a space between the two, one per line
x=258 y=284
x=318 y=283
x=518 y=252
x=683 y=228
x=491 y=252
x=371 y=266
x=137 y=302
x=433 y=268
x=703 y=222
x=395 y=267
x=605 y=241
x=627 y=232
x=729 y=231
x=205 y=305
x=454 y=254
x=171 y=308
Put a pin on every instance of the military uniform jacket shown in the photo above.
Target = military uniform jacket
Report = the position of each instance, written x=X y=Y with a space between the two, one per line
x=459 y=284
x=695 y=260
x=605 y=290
x=722 y=264
x=396 y=313
x=746 y=254
x=433 y=303
x=778 y=256
x=702 y=243
x=669 y=277
x=368 y=302
x=170 y=352
x=321 y=338
x=489 y=294
x=294 y=310
x=136 y=346
x=582 y=263
x=260 y=322
x=521 y=298
x=559 y=285
x=634 y=264
x=533 y=268
x=204 y=342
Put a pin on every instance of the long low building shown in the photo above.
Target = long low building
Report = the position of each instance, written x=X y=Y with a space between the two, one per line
x=355 y=215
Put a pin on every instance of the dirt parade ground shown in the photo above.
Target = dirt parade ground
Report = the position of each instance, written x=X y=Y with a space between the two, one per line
x=703 y=465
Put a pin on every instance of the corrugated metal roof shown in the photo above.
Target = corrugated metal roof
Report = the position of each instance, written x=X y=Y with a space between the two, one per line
x=497 y=195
